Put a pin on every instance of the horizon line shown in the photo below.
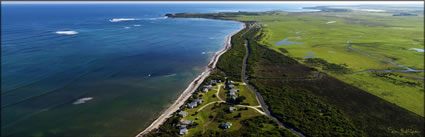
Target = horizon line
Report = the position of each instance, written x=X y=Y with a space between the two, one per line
x=218 y=2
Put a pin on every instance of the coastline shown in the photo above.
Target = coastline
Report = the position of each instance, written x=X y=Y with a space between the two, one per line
x=191 y=87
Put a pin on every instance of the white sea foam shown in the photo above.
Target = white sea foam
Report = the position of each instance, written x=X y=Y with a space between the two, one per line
x=126 y=27
x=329 y=22
x=203 y=53
x=134 y=19
x=137 y=25
x=82 y=100
x=122 y=19
x=170 y=75
x=66 y=32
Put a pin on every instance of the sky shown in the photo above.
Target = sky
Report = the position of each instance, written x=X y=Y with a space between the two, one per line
x=227 y=2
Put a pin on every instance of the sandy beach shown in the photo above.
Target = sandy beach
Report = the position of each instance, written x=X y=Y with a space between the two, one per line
x=190 y=89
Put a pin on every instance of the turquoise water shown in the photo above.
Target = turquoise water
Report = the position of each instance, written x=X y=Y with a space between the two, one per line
x=102 y=69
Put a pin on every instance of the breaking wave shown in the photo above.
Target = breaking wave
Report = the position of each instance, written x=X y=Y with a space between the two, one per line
x=134 y=19
x=66 y=32
x=82 y=100
x=122 y=19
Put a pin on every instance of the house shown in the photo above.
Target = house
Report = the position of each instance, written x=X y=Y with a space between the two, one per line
x=213 y=82
x=183 y=113
x=231 y=109
x=198 y=101
x=230 y=82
x=183 y=130
x=187 y=122
x=233 y=92
x=209 y=87
x=231 y=86
x=225 y=125
x=205 y=90
x=192 y=105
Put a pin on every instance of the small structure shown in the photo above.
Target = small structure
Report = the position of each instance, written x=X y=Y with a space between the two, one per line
x=231 y=109
x=205 y=90
x=209 y=87
x=183 y=130
x=213 y=82
x=231 y=86
x=192 y=105
x=225 y=125
x=233 y=92
x=230 y=82
x=198 y=101
x=219 y=81
x=187 y=122
x=183 y=113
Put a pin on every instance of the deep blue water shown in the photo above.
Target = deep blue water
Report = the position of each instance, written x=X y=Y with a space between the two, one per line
x=131 y=69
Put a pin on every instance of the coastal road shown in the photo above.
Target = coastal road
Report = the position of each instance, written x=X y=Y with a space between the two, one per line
x=259 y=97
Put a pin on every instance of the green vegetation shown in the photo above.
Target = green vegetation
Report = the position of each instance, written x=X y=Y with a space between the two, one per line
x=380 y=34
x=297 y=107
x=318 y=85
x=248 y=96
x=231 y=61
x=330 y=67
x=252 y=127
x=323 y=106
x=208 y=115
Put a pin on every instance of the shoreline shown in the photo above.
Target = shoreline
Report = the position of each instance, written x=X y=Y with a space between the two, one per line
x=191 y=87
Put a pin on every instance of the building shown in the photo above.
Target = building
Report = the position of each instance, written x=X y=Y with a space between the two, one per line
x=231 y=109
x=187 y=122
x=233 y=92
x=225 y=125
x=183 y=113
x=192 y=105
x=213 y=82
x=230 y=82
x=183 y=130
x=209 y=87
x=198 y=101
x=231 y=86
x=205 y=90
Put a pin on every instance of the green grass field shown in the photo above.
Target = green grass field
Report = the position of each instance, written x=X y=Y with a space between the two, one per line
x=218 y=110
x=380 y=34
x=206 y=123
x=250 y=98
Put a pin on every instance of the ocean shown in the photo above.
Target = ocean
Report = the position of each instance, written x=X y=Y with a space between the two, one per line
x=103 y=69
